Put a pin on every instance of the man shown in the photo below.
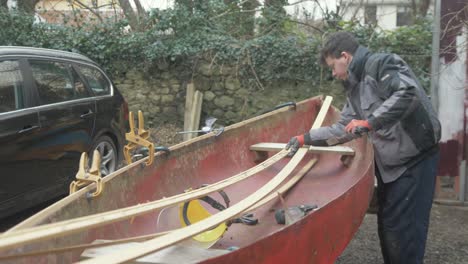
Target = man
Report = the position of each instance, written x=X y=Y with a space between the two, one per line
x=385 y=99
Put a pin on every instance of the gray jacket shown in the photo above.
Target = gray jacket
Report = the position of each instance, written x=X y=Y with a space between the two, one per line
x=382 y=89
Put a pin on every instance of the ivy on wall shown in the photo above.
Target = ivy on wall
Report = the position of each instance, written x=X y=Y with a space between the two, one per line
x=278 y=49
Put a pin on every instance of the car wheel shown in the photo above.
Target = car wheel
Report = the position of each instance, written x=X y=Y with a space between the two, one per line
x=109 y=156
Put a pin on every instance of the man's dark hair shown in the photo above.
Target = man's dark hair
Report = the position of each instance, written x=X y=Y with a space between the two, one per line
x=336 y=43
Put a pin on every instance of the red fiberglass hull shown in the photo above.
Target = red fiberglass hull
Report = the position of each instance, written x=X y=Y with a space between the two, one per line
x=342 y=194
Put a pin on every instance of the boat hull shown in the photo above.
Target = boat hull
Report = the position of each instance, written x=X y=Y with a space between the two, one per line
x=342 y=194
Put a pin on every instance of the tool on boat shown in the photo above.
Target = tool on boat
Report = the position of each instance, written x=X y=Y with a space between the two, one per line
x=209 y=127
x=293 y=104
x=143 y=152
x=292 y=214
x=247 y=219
x=361 y=130
x=193 y=211
x=138 y=142
x=84 y=177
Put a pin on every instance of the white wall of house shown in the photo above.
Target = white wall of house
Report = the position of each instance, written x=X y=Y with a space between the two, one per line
x=387 y=16
x=161 y=4
x=354 y=12
x=295 y=7
x=452 y=85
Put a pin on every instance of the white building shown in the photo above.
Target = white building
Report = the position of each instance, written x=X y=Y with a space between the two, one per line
x=387 y=14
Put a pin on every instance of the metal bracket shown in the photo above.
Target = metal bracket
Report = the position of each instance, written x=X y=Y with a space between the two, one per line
x=139 y=139
x=93 y=175
x=209 y=127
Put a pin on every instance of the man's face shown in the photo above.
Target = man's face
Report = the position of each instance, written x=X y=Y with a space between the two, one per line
x=339 y=66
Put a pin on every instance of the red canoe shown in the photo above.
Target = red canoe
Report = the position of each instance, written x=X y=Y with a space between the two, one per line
x=341 y=194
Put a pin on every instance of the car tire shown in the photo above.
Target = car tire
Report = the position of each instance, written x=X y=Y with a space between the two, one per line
x=109 y=154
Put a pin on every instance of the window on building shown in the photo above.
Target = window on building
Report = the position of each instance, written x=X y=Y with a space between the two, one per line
x=404 y=17
x=370 y=14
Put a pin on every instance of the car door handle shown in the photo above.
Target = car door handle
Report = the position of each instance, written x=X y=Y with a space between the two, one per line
x=27 y=129
x=85 y=115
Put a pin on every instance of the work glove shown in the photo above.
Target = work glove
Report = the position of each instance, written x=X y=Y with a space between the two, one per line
x=358 y=127
x=294 y=144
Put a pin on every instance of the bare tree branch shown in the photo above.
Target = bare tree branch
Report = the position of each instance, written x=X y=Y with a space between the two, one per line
x=84 y=6
x=306 y=24
x=140 y=10
x=129 y=14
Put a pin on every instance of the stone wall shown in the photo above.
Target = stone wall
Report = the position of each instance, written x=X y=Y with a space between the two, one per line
x=161 y=96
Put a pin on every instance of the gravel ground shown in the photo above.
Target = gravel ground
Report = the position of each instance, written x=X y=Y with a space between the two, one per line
x=447 y=241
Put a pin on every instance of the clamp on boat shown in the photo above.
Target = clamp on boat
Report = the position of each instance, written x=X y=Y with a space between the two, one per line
x=85 y=177
x=138 y=142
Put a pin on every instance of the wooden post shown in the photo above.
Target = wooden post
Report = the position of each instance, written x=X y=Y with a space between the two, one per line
x=195 y=113
x=193 y=103
x=188 y=108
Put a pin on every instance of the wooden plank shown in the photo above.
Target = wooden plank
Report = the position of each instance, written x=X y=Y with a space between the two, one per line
x=201 y=226
x=195 y=114
x=173 y=254
x=82 y=246
x=283 y=189
x=196 y=111
x=322 y=113
x=188 y=108
x=343 y=150
x=27 y=235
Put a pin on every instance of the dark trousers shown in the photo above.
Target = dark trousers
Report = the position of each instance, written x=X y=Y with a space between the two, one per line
x=404 y=210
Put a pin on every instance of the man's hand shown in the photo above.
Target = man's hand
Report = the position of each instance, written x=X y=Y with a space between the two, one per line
x=294 y=144
x=358 y=126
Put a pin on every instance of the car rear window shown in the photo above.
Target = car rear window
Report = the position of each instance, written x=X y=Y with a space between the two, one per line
x=96 y=80
x=57 y=82
x=11 y=86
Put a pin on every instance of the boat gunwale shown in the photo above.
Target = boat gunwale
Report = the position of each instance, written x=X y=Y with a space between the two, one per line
x=43 y=214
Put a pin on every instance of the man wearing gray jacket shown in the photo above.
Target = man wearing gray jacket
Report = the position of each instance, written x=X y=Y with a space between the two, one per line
x=385 y=99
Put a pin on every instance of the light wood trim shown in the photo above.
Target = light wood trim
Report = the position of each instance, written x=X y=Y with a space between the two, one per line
x=199 y=227
x=343 y=150
x=82 y=246
x=27 y=235
x=285 y=187
x=194 y=116
x=188 y=109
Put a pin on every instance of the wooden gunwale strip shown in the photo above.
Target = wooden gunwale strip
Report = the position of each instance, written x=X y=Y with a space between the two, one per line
x=34 y=221
x=284 y=188
x=82 y=246
x=201 y=226
x=22 y=236
x=266 y=146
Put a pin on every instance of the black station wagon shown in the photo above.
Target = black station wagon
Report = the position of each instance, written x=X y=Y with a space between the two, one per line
x=54 y=105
